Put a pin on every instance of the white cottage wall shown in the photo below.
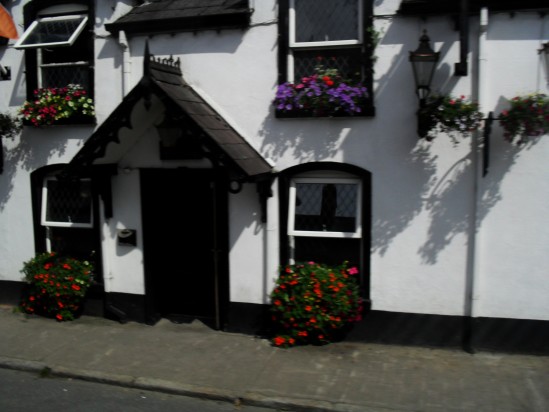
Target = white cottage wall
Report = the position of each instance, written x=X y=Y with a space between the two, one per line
x=246 y=247
x=438 y=228
x=513 y=207
x=125 y=263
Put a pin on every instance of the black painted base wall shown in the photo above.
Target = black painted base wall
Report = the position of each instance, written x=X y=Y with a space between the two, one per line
x=124 y=307
x=10 y=292
x=470 y=334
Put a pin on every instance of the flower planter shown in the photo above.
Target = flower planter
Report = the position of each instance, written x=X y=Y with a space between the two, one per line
x=451 y=115
x=55 y=106
x=528 y=116
x=323 y=94
x=56 y=286
x=314 y=304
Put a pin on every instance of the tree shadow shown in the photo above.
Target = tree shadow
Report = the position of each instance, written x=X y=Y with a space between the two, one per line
x=451 y=202
x=401 y=206
x=304 y=141
x=27 y=152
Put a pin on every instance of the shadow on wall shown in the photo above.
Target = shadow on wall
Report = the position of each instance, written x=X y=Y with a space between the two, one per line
x=28 y=152
x=293 y=136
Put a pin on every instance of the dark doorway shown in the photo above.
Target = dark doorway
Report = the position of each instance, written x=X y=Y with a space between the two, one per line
x=183 y=227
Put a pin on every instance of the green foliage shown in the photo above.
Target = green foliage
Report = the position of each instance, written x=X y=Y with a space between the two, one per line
x=10 y=125
x=452 y=115
x=313 y=302
x=57 y=285
x=53 y=104
x=527 y=116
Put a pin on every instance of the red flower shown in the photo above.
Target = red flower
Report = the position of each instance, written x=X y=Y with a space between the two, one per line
x=66 y=266
x=59 y=316
x=279 y=340
x=47 y=266
x=75 y=287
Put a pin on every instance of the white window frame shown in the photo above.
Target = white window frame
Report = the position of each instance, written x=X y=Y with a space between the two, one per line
x=43 y=212
x=357 y=234
x=20 y=43
x=296 y=44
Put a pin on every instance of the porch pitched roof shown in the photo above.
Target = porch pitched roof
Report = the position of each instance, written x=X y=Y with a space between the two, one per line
x=164 y=79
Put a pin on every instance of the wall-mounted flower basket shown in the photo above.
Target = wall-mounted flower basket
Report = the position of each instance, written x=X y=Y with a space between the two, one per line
x=452 y=115
x=64 y=105
x=528 y=116
x=323 y=94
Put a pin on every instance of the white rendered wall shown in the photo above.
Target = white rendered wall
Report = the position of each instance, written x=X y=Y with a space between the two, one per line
x=247 y=251
x=432 y=237
x=513 y=206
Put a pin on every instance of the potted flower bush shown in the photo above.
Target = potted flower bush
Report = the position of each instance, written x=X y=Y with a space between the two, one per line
x=57 y=285
x=452 y=115
x=51 y=105
x=324 y=93
x=313 y=303
x=527 y=116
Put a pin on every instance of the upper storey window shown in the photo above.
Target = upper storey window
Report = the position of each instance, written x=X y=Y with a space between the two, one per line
x=326 y=37
x=58 y=44
x=325 y=32
x=53 y=31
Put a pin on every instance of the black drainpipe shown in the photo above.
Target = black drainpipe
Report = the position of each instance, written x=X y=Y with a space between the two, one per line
x=461 y=66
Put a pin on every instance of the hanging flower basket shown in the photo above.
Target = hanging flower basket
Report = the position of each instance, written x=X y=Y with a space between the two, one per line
x=323 y=93
x=57 y=105
x=528 y=116
x=452 y=115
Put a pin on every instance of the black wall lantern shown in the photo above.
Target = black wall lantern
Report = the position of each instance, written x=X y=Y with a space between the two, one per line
x=544 y=51
x=179 y=140
x=424 y=61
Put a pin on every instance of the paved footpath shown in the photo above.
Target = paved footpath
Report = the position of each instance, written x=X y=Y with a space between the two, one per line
x=197 y=361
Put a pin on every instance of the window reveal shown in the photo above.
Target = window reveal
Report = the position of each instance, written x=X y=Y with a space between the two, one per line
x=67 y=204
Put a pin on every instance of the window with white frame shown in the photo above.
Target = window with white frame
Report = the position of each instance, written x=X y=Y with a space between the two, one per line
x=67 y=204
x=328 y=33
x=58 y=44
x=65 y=216
x=324 y=219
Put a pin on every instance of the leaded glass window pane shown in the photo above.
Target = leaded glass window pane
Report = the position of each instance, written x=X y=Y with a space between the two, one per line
x=326 y=20
x=326 y=207
x=52 y=31
x=60 y=76
x=67 y=203
x=348 y=62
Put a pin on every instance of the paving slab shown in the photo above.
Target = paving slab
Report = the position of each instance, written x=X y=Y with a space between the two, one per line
x=192 y=359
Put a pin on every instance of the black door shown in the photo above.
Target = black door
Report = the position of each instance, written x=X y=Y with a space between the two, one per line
x=181 y=244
